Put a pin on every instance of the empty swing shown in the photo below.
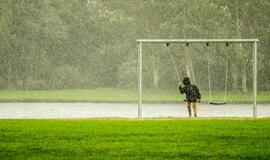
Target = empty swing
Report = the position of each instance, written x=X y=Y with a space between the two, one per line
x=209 y=78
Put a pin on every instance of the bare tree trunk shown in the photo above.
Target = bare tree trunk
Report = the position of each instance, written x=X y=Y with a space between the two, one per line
x=234 y=76
x=244 y=79
x=9 y=75
x=156 y=77
x=187 y=65
x=240 y=51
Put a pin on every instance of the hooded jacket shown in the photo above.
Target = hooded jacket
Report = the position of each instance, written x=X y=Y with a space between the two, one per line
x=192 y=91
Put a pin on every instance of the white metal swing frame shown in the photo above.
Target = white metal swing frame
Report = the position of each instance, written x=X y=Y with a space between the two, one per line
x=252 y=41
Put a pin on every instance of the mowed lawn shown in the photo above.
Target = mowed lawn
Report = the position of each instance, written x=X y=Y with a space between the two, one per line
x=135 y=139
x=121 y=95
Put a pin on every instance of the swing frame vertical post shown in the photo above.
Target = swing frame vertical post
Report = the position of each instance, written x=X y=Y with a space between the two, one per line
x=139 y=79
x=255 y=79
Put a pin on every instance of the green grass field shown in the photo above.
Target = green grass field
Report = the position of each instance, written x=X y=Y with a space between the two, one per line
x=119 y=95
x=135 y=139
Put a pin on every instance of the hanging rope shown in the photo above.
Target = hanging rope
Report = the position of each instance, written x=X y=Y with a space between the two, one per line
x=174 y=66
x=226 y=74
x=190 y=63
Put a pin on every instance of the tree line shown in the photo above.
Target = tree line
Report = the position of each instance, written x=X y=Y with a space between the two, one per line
x=66 y=44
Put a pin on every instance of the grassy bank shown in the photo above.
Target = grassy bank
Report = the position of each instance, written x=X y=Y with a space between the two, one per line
x=135 y=139
x=119 y=95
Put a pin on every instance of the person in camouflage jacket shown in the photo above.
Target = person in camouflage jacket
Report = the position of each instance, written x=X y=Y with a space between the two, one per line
x=193 y=95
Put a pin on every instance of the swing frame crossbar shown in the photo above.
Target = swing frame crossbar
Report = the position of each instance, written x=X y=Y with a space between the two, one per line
x=206 y=41
x=197 y=40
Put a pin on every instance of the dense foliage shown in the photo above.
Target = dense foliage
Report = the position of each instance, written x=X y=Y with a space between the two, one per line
x=63 y=44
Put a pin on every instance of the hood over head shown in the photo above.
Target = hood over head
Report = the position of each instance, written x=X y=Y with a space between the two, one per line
x=186 y=81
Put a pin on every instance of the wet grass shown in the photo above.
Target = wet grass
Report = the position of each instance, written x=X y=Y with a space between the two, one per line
x=135 y=139
x=120 y=95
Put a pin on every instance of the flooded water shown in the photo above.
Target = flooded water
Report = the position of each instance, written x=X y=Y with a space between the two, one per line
x=125 y=110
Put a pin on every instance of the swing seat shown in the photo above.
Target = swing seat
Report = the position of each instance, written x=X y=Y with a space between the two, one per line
x=218 y=103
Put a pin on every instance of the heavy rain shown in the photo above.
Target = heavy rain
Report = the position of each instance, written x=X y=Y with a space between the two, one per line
x=134 y=79
x=86 y=51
